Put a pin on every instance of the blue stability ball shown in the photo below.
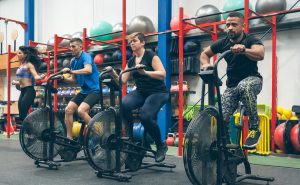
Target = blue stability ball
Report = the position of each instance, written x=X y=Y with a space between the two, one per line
x=207 y=10
x=128 y=54
x=190 y=46
x=117 y=55
x=118 y=27
x=233 y=5
x=101 y=27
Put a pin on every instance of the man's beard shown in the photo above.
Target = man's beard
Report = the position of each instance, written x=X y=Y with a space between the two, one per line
x=232 y=35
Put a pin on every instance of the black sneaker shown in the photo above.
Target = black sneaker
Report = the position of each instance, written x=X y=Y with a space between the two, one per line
x=161 y=153
x=252 y=139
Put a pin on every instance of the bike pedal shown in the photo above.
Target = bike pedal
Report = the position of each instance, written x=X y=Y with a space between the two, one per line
x=232 y=146
x=248 y=148
x=125 y=138
x=56 y=132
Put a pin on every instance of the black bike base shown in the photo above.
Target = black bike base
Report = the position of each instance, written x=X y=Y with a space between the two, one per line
x=123 y=177
x=254 y=177
x=55 y=164
x=152 y=164
x=52 y=165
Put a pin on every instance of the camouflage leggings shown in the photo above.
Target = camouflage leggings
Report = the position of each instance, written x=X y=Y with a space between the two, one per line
x=246 y=92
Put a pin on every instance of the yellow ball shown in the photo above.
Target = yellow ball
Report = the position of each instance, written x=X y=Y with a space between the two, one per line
x=67 y=75
x=283 y=117
x=279 y=109
x=288 y=113
x=279 y=116
x=76 y=128
x=294 y=118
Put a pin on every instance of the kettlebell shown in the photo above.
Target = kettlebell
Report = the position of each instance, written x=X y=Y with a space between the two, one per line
x=72 y=91
x=176 y=140
x=185 y=86
x=76 y=129
x=170 y=139
x=138 y=131
x=135 y=131
x=68 y=92
x=174 y=87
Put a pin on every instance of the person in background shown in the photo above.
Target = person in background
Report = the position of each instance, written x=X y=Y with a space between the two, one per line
x=84 y=71
x=26 y=74
x=244 y=82
x=150 y=93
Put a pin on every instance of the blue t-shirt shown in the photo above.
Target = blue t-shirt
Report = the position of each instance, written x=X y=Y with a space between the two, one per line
x=87 y=82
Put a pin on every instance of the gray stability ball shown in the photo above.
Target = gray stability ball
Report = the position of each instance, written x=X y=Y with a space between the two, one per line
x=267 y=6
x=141 y=24
x=207 y=10
x=118 y=27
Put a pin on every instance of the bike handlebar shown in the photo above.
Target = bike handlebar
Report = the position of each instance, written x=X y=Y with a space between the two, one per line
x=215 y=67
x=105 y=72
x=132 y=69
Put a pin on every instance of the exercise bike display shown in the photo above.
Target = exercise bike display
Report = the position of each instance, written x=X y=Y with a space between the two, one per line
x=209 y=159
x=107 y=147
x=43 y=134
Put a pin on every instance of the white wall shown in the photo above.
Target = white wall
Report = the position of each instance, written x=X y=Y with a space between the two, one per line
x=69 y=16
x=11 y=9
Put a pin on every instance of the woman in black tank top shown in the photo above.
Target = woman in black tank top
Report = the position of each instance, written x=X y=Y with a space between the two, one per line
x=150 y=93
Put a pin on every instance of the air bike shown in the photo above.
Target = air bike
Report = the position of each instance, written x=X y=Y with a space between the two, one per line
x=108 y=150
x=208 y=157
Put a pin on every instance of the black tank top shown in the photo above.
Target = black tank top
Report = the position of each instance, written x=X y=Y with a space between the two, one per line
x=145 y=83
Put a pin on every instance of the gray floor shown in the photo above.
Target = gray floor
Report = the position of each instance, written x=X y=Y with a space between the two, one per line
x=18 y=169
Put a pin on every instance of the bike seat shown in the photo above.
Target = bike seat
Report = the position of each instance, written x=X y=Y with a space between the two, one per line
x=296 y=109
x=112 y=84
x=209 y=76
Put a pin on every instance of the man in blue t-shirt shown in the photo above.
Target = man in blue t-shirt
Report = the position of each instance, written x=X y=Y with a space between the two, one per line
x=84 y=72
x=243 y=79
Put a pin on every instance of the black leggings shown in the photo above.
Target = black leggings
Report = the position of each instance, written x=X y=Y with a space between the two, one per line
x=150 y=105
x=26 y=99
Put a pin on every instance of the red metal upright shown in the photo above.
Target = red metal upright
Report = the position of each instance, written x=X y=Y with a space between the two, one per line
x=10 y=55
x=8 y=118
x=85 y=45
x=180 y=93
x=246 y=15
x=274 y=82
x=56 y=42
x=123 y=42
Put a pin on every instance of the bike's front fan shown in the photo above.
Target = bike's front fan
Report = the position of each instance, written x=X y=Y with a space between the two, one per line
x=31 y=134
x=100 y=142
x=200 y=152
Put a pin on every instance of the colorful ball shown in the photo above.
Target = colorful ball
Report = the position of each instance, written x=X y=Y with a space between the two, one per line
x=279 y=136
x=101 y=27
x=234 y=5
x=279 y=109
x=99 y=59
x=174 y=24
x=287 y=113
x=76 y=128
x=294 y=137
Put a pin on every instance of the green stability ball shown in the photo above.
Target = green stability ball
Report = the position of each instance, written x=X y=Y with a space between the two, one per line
x=233 y=5
x=101 y=27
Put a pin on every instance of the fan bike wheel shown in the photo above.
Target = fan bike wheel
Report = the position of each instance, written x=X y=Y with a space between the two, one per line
x=31 y=141
x=100 y=151
x=199 y=153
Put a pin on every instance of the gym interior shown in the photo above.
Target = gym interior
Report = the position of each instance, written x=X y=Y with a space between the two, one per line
x=177 y=31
